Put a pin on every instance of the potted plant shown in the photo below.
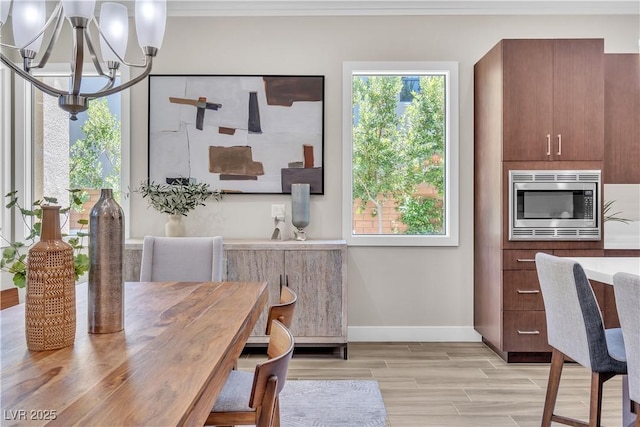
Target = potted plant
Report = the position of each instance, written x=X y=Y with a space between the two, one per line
x=176 y=200
x=15 y=256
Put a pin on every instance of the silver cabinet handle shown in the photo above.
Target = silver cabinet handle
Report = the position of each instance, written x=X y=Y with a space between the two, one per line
x=528 y=292
x=525 y=260
x=548 y=144
x=559 y=145
x=528 y=332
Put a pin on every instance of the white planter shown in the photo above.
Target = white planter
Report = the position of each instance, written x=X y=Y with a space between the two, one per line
x=174 y=226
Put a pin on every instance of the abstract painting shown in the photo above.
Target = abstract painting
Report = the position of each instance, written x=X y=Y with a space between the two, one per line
x=238 y=133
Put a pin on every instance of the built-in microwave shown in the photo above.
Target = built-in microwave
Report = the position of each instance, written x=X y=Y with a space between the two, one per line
x=554 y=205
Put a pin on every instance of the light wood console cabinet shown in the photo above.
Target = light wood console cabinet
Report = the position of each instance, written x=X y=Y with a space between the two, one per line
x=316 y=270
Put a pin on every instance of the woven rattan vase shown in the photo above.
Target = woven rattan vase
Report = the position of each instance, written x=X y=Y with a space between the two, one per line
x=51 y=289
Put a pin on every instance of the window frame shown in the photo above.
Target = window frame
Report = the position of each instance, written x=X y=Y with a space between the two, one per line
x=451 y=196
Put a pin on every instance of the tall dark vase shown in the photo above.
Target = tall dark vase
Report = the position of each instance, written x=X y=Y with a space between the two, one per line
x=106 y=247
x=50 y=313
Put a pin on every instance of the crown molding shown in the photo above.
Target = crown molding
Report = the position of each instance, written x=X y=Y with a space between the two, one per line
x=399 y=7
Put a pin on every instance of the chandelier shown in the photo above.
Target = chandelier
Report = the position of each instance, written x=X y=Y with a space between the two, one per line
x=28 y=21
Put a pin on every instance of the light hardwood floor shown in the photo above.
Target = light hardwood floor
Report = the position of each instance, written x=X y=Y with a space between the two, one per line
x=454 y=384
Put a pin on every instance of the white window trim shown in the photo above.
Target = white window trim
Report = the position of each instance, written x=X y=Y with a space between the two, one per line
x=5 y=152
x=450 y=237
x=23 y=156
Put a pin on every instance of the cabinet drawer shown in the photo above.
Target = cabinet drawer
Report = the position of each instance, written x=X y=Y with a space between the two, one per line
x=525 y=331
x=521 y=259
x=521 y=290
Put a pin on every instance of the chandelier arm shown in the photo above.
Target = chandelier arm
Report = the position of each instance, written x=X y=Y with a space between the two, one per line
x=77 y=60
x=92 y=52
x=111 y=82
x=145 y=73
x=53 y=38
x=28 y=77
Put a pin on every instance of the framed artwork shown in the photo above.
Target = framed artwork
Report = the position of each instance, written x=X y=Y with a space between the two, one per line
x=238 y=133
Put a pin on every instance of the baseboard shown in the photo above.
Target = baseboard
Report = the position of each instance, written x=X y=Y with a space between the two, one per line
x=413 y=334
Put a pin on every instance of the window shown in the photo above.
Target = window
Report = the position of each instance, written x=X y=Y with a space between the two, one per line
x=64 y=154
x=400 y=162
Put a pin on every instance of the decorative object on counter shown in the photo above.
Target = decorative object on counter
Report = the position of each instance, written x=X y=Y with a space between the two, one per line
x=608 y=216
x=14 y=258
x=300 y=209
x=50 y=312
x=176 y=200
x=106 y=248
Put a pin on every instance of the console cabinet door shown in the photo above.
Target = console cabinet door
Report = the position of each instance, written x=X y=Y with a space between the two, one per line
x=316 y=276
x=258 y=266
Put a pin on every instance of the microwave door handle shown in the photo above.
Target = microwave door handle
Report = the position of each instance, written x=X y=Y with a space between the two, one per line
x=548 y=144
x=559 y=144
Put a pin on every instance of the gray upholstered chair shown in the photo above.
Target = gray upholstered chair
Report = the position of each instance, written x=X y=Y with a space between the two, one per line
x=575 y=330
x=184 y=259
x=252 y=398
x=627 y=290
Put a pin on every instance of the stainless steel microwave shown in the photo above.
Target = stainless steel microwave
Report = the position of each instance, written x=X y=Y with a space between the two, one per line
x=554 y=205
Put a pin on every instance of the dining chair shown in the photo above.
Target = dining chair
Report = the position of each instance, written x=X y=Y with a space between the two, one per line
x=575 y=330
x=283 y=312
x=184 y=259
x=8 y=298
x=253 y=398
x=627 y=292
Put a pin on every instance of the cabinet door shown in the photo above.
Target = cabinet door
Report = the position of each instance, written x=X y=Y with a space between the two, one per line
x=528 y=99
x=257 y=266
x=622 y=127
x=316 y=276
x=578 y=100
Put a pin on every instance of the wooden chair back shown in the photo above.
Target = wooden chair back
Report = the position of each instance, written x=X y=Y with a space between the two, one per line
x=283 y=312
x=9 y=298
x=270 y=376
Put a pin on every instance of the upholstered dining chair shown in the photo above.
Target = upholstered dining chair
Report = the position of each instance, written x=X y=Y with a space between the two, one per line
x=184 y=259
x=575 y=330
x=627 y=291
x=283 y=312
x=253 y=398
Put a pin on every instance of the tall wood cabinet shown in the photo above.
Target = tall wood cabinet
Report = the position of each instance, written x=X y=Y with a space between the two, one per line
x=527 y=92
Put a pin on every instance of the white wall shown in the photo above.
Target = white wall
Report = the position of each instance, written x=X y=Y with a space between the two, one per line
x=394 y=293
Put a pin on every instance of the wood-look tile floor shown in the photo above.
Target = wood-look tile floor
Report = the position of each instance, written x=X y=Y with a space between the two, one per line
x=453 y=384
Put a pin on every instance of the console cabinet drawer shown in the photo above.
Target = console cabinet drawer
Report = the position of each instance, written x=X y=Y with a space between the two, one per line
x=521 y=290
x=525 y=331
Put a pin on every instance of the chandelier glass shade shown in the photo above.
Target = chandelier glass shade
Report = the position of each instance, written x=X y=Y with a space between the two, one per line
x=29 y=24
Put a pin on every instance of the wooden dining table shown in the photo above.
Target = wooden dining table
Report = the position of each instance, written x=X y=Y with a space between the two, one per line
x=166 y=368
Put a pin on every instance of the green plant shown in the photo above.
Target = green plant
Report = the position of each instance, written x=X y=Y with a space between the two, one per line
x=94 y=161
x=608 y=216
x=176 y=199
x=15 y=256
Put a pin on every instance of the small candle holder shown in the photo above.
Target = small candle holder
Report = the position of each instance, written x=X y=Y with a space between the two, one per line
x=300 y=209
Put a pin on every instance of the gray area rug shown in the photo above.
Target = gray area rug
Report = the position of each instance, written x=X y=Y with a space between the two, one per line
x=332 y=403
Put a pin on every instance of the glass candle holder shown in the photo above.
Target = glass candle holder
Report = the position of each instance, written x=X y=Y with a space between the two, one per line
x=300 y=209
